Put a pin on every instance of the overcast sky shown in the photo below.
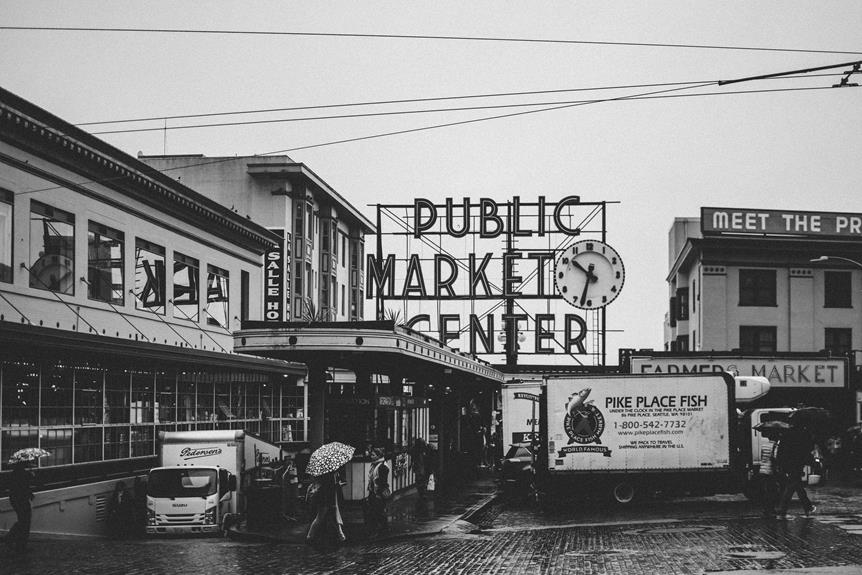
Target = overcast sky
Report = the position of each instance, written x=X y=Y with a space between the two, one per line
x=659 y=158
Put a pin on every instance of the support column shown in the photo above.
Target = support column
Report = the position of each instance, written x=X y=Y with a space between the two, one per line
x=316 y=404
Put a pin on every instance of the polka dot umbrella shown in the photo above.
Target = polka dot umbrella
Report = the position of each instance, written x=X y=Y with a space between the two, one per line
x=329 y=457
x=28 y=454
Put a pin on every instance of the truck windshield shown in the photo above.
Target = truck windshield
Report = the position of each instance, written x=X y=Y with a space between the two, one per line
x=183 y=482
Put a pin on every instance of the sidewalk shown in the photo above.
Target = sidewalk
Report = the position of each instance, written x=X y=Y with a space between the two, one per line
x=442 y=511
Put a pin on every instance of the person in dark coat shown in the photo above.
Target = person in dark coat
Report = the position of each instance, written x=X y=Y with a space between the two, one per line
x=20 y=496
x=419 y=458
x=324 y=496
x=794 y=452
x=376 y=499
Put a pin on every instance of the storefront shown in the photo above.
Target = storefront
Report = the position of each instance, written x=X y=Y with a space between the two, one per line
x=378 y=387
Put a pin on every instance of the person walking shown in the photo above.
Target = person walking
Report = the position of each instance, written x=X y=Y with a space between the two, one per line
x=20 y=496
x=324 y=497
x=794 y=452
x=376 y=499
x=288 y=480
x=419 y=456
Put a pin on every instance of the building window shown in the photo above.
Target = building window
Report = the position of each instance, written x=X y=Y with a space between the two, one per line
x=672 y=312
x=105 y=264
x=245 y=295
x=186 y=287
x=757 y=287
x=149 y=276
x=682 y=303
x=343 y=250
x=342 y=299
x=217 y=310
x=6 y=204
x=757 y=339
x=838 y=340
x=682 y=343
x=52 y=248
x=693 y=296
x=837 y=289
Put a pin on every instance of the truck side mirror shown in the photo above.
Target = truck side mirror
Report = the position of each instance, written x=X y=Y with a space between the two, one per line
x=231 y=483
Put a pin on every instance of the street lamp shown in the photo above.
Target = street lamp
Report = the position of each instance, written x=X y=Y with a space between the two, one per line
x=826 y=258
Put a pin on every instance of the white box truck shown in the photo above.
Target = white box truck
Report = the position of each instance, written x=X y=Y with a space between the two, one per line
x=631 y=434
x=198 y=486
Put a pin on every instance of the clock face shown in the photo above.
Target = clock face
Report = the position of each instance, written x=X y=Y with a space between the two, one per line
x=589 y=274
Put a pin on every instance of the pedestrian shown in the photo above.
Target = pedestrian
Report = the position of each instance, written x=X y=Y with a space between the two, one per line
x=770 y=486
x=377 y=497
x=419 y=457
x=324 y=498
x=794 y=452
x=288 y=480
x=20 y=496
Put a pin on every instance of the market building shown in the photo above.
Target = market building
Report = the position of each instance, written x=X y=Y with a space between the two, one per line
x=120 y=289
x=776 y=284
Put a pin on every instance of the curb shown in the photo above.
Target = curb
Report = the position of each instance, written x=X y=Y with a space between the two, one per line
x=465 y=517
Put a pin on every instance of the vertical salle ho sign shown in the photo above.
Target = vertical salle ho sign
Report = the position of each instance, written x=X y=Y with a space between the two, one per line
x=273 y=285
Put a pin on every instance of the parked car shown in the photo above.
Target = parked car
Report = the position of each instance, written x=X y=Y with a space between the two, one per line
x=515 y=471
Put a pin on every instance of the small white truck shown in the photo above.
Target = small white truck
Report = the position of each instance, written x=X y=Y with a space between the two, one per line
x=197 y=488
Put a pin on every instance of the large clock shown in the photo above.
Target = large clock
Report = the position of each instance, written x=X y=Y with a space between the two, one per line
x=589 y=274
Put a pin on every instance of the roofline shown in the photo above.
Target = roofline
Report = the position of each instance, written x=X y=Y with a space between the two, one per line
x=70 y=139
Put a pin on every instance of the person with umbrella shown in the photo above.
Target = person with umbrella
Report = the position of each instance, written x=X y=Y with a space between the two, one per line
x=324 y=494
x=769 y=480
x=794 y=452
x=20 y=496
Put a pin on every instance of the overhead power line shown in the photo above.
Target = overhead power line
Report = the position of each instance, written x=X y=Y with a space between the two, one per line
x=406 y=101
x=439 y=110
x=418 y=37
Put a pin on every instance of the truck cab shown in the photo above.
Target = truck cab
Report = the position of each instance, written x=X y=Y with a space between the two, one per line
x=188 y=500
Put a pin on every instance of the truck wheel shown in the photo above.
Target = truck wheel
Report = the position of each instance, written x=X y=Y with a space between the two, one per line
x=623 y=492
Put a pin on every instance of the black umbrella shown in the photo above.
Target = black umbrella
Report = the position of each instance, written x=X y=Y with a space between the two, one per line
x=812 y=418
x=772 y=429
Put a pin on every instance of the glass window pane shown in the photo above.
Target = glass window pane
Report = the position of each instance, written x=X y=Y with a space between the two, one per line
x=105 y=264
x=186 y=289
x=166 y=398
x=117 y=442
x=88 y=444
x=5 y=240
x=15 y=439
x=117 y=401
x=52 y=249
x=205 y=401
x=186 y=401
x=141 y=408
x=57 y=396
x=149 y=277
x=20 y=395
x=217 y=297
x=59 y=443
x=143 y=440
x=88 y=397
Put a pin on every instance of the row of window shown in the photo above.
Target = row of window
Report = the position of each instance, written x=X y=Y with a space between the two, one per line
x=758 y=287
x=51 y=266
x=73 y=411
x=764 y=339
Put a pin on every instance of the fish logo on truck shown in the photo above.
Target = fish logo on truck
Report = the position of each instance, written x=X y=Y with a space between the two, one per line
x=584 y=423
x=195 y=453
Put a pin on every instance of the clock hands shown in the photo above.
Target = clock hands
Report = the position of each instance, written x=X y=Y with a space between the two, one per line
x=591 y=277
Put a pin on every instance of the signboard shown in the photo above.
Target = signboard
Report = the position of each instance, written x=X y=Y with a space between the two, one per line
x=716 y=221
x=781 y=372
x=478 y=275
x=520 y=412
x=636 y=423
x=273 y=283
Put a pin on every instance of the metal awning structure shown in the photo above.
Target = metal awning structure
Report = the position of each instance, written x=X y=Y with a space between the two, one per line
x=375 y=345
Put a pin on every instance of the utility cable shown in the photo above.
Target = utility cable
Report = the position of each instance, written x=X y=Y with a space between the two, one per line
x=436 y=110
x=160 y=318
x=415 y=101
x=418 y=37
x=121 y=314
x=197 y=325
x=12 y=305
x=56 y=295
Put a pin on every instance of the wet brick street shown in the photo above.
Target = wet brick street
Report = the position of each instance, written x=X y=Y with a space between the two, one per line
x=667 y=537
